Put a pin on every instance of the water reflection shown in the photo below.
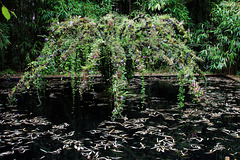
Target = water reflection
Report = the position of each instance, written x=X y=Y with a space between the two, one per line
x=210 y=130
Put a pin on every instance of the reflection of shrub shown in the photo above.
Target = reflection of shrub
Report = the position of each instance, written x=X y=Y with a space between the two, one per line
x=220 y=39
x=116 y=47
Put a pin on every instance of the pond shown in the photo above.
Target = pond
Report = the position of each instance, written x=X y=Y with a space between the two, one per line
x=55 y=128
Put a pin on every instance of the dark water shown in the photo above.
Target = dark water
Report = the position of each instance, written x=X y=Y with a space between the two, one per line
x=57 y=129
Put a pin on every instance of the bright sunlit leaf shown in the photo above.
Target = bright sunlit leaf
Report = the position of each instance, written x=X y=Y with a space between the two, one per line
x=157 y=7
x=6 y=13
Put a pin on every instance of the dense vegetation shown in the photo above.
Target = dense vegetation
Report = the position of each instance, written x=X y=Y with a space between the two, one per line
x=219 y=38
x=80 y=38
x=116 y=47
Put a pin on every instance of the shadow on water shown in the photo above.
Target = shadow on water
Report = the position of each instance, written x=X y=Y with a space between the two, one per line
x=57 y=105
x=59 y=129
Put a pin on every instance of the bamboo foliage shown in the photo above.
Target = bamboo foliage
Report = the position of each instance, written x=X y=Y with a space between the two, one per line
x=220 y=37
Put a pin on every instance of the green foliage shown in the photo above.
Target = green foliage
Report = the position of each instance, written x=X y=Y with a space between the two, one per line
x=65 y=9
x=219 y=38
x=4 y=36
x=7 y=72
x=116 y=47
x=4 y=41
x=28 y=31
x=178 y=9
x=175 y=8
x=157 y=4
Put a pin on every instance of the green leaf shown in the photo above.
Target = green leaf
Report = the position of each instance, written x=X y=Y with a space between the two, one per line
x=6 y=13
x=13 y=14
x=157 y=7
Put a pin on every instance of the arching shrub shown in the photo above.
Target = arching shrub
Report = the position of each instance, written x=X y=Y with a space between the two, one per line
x=116 y=47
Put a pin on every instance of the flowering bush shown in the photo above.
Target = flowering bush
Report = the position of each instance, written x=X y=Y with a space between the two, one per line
x=116 y=47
